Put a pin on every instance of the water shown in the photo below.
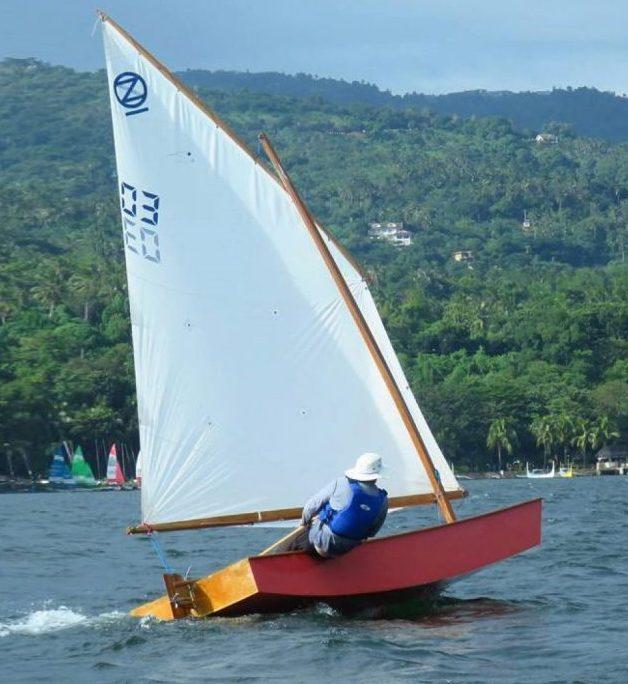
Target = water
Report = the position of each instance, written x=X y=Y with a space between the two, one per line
x=68 y=576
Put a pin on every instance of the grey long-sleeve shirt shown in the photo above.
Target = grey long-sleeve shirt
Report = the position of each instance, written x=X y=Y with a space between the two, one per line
x=338 y=494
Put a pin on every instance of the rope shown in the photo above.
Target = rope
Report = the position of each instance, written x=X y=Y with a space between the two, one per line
x=152 y=535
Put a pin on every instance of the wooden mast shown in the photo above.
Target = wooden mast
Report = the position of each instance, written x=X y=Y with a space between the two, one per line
x=365 y=331
x=439 y=495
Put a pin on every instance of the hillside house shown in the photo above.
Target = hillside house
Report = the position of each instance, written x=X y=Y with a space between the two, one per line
x=463 y=255
x=546 y=139
x=391 y=231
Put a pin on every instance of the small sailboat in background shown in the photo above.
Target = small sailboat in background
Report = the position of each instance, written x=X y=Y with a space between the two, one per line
x=115 y=476
x=263 y=367
x=59 y=474
x=81 y=470
x=538 y=474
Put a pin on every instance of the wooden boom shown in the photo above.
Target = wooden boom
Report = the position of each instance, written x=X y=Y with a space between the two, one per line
x=365 y=331
x=272 y=516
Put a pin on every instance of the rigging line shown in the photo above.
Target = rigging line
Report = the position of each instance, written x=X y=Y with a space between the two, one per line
x=152 y=535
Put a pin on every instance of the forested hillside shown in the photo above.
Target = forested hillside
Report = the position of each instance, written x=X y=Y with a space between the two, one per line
x=526 y=342
x=588 y=111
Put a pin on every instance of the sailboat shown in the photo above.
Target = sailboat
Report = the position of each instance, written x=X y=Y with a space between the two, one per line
x=263 y=368
x=59 y=473
x=81 y=470
x=115 y=476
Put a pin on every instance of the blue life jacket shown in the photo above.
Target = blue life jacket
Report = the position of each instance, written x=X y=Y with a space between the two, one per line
x=356 y=519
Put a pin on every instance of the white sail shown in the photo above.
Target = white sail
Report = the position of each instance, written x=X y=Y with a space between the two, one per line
x=366 y=303
x=254 y=385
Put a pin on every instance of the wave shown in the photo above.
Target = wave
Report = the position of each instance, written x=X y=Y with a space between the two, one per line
x=53 y=620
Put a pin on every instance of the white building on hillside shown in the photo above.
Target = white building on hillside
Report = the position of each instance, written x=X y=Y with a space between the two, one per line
x=391 y=231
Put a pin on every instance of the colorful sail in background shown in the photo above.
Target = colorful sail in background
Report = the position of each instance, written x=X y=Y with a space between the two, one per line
x=59 y=473
x=114 y=471
x=81 y=470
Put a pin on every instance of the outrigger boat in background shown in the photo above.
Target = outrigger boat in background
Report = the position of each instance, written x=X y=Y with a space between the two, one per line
x=538 y=474
x=263 y=368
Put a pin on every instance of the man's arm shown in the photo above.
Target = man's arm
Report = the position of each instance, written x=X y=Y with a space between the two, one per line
x=315 y=503
x=379 y=521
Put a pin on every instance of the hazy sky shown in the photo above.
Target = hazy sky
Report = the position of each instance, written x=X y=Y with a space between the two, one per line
x=404 y=45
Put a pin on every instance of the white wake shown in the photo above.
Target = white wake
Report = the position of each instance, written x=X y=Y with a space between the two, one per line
x=52 y=620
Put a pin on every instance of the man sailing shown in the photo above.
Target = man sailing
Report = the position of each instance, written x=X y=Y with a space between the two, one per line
x=347 y=511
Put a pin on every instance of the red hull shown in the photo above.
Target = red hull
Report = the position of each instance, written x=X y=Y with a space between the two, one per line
x=401 y=564
x=382 y=571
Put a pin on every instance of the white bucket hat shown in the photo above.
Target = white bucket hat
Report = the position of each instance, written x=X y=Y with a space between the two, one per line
x=366 y=469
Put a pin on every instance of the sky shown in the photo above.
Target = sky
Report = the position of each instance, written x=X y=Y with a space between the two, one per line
x=431 y=46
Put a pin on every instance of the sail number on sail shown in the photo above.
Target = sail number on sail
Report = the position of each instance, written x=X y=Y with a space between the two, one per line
x=140 y=219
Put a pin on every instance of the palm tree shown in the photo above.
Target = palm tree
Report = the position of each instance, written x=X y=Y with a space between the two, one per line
x=51 y=288
x=584 y=436
x=501 y=435
x=601 y=432
x=563 y=425
x=543 y=430
x=87 y=286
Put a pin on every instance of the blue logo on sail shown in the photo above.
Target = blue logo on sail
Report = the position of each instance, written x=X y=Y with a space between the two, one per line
x=131 y=92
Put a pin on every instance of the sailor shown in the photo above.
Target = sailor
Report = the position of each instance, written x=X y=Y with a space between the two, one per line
x=347 y=511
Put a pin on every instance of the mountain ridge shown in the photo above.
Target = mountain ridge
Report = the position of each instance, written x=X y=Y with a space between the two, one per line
x=591 y=112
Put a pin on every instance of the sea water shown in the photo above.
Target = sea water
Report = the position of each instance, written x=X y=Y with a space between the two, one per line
x=558 y=613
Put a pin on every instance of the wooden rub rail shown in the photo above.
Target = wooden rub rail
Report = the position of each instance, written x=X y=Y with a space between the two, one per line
x=272 y=516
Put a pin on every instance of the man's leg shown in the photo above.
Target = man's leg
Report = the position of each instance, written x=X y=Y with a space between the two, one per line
x=301 y=541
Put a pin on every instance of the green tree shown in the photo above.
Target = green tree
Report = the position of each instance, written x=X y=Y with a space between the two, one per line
x=585 y=435
x=543 y=429
x=51 y=287
x=602 y=431
x=501 y=435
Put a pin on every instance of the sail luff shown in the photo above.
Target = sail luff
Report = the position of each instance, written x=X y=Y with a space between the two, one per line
x=365 y=332
x=276 y=515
